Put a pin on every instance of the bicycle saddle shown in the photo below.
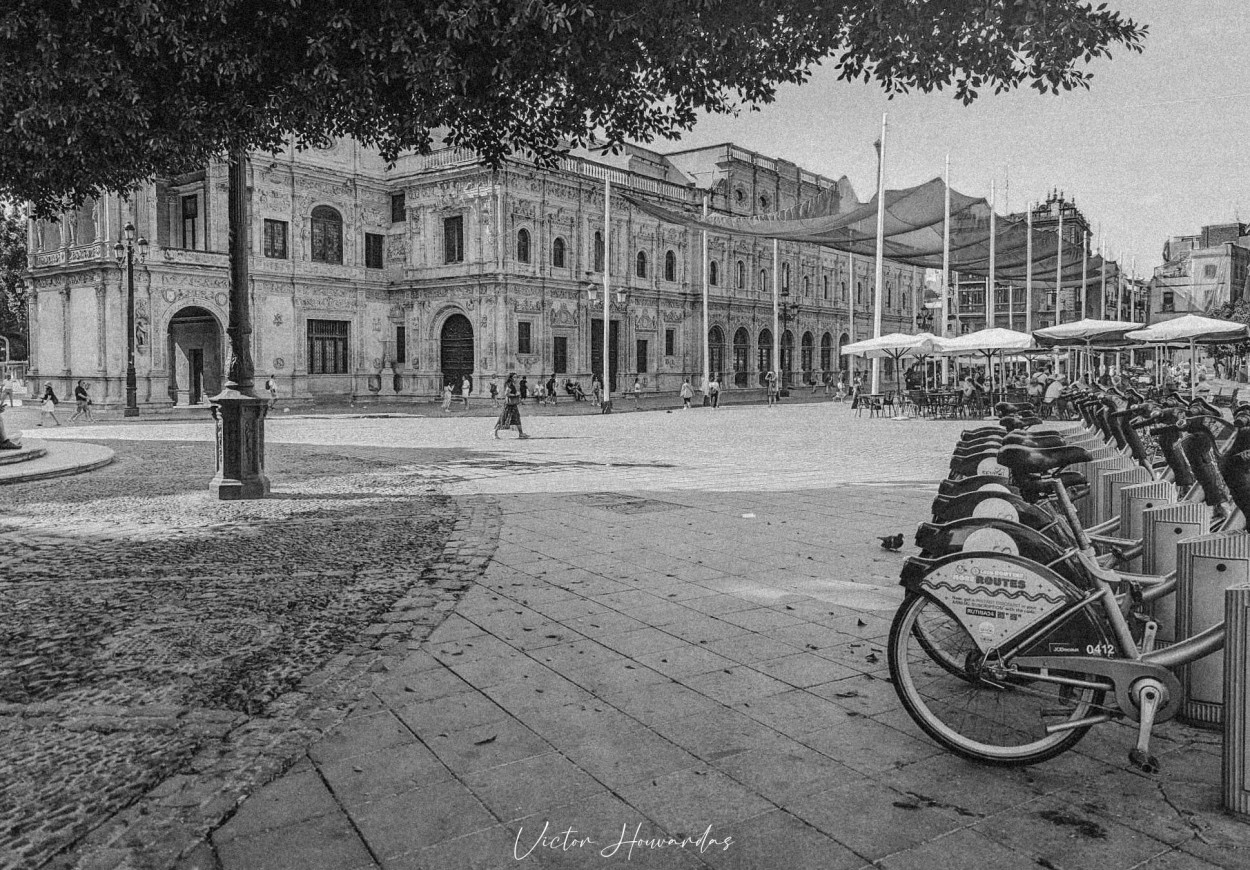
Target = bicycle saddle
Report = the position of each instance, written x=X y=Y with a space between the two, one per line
x=1034 y=439
x=1006 y=409
x=1039 y=460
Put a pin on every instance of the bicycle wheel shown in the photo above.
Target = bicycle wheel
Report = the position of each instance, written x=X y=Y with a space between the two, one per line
x=995 y=720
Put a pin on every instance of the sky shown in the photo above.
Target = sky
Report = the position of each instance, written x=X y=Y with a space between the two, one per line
x=1156 y=148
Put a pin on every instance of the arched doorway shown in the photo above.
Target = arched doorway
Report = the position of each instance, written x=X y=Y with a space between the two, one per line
x=193 y=344
x=844 y=363
x=826 y=353
x=765 y=355
x=716 y=350
x=787 y=358
x=806 y=357
x=456 y=351
x=742 y=356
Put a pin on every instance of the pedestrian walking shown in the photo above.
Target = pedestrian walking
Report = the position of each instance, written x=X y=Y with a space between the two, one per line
x=713 y=391
x=447 y=398
x=637 y=391
x=596 y=390
x=466 y=387
x=770 y=388
x=47 y=405
x=7 y=390
x=494 y=392
x=525 y=389
x=551 y=389
x=271 y=387
x=82 y=402
x=511 y=414
x=687 y=393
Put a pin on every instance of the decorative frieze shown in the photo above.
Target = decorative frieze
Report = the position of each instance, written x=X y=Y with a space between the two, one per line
x=528 y=306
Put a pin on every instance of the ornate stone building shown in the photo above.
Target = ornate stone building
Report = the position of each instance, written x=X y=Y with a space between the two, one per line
x=374 y=280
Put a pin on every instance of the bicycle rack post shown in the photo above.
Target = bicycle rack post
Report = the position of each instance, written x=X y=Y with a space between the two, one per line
x=1163 y=529
x=1137 y=498
x=1091 y=510
x=1237 y=700
x=1206 y=567
x=1113 y=484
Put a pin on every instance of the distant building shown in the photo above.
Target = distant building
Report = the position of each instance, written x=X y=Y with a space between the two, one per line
x=375 y=279
x=1201 y=273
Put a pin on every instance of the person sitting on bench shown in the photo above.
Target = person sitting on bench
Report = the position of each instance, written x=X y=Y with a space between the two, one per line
x=6 y=443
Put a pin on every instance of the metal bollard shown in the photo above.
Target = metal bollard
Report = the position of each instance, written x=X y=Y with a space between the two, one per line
x=1237 y=699
x=1206 y=567
x=1163 y=529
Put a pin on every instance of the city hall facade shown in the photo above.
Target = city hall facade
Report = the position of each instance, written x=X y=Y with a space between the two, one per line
x=376 y=281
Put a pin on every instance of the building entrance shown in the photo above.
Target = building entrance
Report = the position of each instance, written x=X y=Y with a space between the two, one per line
x=195 y=356
x=456 y=354
x=596 y=350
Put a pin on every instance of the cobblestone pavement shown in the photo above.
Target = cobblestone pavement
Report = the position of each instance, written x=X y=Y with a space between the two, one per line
x=142 y=624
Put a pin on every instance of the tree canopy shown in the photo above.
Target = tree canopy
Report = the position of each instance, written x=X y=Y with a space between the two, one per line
x=12 y=290
x=102 y=95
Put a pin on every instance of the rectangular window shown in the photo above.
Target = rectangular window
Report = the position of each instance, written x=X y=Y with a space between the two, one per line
x=523 y=329
x=670 y=342
x=401 y=344
x=190 y=216
x=275 y=239
x=1208 y=271
x=398 y=210
x=642 y=356
x=561 y=353
x=373 y=251
x=327 y=347
x=1169 y=300
x=453 y=240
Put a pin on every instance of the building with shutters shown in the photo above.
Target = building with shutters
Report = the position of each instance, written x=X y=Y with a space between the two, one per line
x=388 y=281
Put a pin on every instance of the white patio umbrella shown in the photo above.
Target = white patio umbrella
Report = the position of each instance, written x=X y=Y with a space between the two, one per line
x=987 y=341
x=1085 y=333
x=1195 y=330
x=894 y=346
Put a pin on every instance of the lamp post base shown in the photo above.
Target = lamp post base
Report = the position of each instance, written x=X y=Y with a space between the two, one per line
x=130 y=412
x=240 y=447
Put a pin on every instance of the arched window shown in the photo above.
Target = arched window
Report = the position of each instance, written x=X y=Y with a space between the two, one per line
x=889 y=293
x=598 y=251
x=523 y=245
x=741 y=275
x=826 y=352
x=557 y=253
x=807 y=286
x=713 y=273
x=785 y=278
x=826 y=286
x=842 y=292
x=859 y=292
x=327 y=235
x=640 y=265
x=763 y=281
x=670 y=266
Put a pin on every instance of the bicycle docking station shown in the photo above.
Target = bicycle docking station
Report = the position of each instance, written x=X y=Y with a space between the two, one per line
x=1236 y=770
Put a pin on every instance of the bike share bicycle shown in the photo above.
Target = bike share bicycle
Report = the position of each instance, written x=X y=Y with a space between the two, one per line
x=1004 y=660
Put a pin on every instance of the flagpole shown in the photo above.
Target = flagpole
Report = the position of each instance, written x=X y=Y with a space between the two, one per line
x=946 y=269
x=607 y=292
x=1028 y=269
x=880 y=276
x=991 y=281
x=707 y=358
x=1084 y=268
x=1059 y=277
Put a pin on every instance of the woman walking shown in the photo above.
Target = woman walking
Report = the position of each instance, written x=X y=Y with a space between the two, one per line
x=47 y=407
x=687 y=393
x=511 y=414
x=447 y=398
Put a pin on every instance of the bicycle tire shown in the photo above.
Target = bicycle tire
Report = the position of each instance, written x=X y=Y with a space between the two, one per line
x=992 y=723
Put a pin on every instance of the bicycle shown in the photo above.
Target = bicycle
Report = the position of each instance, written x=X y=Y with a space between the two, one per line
x=1012 y=664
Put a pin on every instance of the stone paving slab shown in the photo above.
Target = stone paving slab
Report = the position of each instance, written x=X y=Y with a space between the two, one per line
x=751 y=704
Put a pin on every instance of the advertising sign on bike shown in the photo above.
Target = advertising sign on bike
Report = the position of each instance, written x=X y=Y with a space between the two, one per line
x=994 y=598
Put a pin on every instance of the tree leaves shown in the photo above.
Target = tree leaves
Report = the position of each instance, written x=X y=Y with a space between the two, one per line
x=96 y=96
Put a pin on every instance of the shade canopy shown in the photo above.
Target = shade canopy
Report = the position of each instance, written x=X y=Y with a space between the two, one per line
x=913 y=233
x=1085 y=332
x=986 y=340
x=893 y=346
x=1192 y=328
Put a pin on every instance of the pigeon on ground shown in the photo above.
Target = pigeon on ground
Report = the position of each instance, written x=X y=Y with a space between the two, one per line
x=891 y=542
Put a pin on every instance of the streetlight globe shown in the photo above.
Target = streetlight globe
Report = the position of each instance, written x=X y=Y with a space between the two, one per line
x=119 y=251
x=143 y=248
x=130 y=232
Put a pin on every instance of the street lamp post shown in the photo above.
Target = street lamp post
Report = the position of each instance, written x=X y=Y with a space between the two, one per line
x=125 y=252
x=786 y=309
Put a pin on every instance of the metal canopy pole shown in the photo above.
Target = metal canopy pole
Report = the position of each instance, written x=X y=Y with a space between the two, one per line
x=607 y=291
x=707 y=359
x=991 y=281
x=880 y=275
x=946 y=270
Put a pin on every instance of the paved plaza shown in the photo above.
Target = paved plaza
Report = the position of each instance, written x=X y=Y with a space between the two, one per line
x=433 y=649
